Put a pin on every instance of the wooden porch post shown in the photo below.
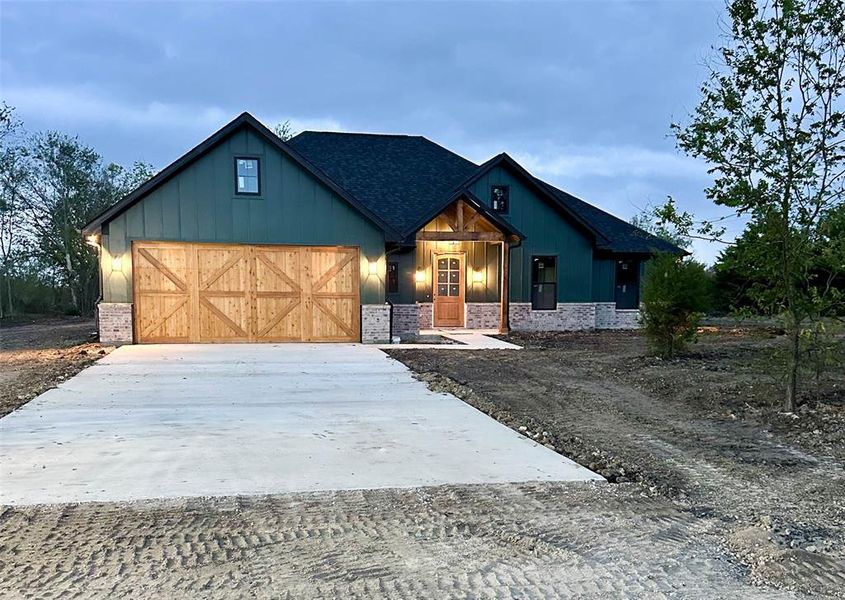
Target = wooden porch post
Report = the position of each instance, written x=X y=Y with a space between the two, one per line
x=503 y=322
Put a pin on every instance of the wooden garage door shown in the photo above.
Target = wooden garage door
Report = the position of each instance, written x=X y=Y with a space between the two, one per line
x=239 y=293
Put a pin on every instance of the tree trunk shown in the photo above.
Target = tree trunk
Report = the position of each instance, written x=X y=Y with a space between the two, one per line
x=71 y=276
x=792 y=369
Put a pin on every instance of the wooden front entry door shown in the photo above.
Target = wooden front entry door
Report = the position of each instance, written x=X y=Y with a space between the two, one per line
x=244 y=293
x=448 y=290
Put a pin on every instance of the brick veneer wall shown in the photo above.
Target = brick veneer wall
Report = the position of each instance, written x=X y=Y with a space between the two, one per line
x=426 y=315
x=610 y=317
x=568 y=316
x=406 y=320
x=115 y=319
x=375 y=323
x=482 y=315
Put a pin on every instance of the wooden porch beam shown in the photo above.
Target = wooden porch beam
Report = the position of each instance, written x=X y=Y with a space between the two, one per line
x=505 y=308
x=460 y=236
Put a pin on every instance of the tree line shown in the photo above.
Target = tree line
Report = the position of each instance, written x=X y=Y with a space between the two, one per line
x=51 y=184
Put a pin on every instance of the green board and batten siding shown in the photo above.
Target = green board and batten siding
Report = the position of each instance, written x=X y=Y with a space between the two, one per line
x=547 y=233
x=199 y=205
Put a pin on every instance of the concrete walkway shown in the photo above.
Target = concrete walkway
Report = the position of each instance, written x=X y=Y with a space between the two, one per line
x=207 y=420
x=467 y=339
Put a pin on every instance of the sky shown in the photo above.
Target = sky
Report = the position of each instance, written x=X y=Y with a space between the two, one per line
x=580 y=93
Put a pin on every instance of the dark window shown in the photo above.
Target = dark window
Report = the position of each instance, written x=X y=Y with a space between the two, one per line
x=499 y=197
x=544 y=282
x=393 y=278
x=627 y=283
x=246 y=176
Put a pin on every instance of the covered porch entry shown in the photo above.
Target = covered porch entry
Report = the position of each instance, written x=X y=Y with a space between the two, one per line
x=462 y=267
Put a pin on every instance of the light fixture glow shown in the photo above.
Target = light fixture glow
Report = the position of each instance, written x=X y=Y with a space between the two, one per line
x=93 y=240
x=373 y=268
x=419 y=276
x=477 y=276
x=116 y=264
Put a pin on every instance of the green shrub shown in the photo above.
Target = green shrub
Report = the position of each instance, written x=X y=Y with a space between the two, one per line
x=676 y=293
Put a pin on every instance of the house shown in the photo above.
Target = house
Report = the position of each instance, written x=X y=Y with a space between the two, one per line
x=355 y=237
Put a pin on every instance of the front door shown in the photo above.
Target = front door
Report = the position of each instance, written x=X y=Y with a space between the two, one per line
x=448 y=290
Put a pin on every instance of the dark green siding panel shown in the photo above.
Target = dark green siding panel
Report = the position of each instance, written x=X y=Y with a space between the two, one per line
x=547 y=232
x=240 y=220
x=170 y=211
x=153 y=217
x=135 y=221
x=407 y=271
x=258 y=221
x=200 y=205
x=604 y=275
x=219 y=168
x=188 y=217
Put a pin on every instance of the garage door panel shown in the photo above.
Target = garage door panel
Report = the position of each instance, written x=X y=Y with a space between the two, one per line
x=277 y=270
x=223 y=318
x=164 y=317
x=163 y=269
x=278 y=319
x=235 y=293
x=333 y=319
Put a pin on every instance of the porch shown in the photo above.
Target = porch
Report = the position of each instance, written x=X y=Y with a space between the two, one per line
x=459 y=271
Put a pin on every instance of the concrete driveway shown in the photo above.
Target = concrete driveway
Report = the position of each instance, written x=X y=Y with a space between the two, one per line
x=212 y=420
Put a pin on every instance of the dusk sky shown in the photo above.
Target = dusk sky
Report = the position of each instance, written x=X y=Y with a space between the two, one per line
x=581 y=93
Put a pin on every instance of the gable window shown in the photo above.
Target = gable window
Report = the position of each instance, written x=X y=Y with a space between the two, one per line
x=393 y=278
x=246 y=176
x=499 y=197
x=544 y=283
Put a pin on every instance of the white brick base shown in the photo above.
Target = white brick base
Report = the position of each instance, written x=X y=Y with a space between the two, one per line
x=568 y=316
x=610 y=317
x=406 y=319
x=482 y=315
x=375 y=323
x=115 y=320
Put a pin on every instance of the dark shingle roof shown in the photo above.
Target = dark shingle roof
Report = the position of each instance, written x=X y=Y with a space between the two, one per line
x=622 y=236
x=399 y=177
x=403 y=178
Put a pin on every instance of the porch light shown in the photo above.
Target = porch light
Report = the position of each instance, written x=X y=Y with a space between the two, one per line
x=93 y=240
x=373 y=268
x=419 y=276
x=116 y=264
x=477 y=276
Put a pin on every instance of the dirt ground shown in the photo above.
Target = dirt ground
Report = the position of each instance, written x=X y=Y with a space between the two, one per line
x=704 y=432
x=37 y=354
x=494 y=541
x=719 y=496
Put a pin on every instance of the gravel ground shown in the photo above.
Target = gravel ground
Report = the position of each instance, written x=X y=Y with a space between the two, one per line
x=492 y=541
x=704 y=432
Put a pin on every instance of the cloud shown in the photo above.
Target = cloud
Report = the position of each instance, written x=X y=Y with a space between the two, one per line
x=82 y=105
x=611 y=161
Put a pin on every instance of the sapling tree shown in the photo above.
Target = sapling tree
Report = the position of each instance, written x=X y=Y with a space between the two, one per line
x=771 y=126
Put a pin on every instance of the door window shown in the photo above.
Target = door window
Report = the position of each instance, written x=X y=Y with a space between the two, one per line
x=448 y=276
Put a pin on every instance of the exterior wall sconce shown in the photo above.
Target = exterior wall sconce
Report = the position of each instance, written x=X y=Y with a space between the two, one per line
x=93 y=240
x=373 y=268
x=116 y=264
x=419 y=276
x=477 y=276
